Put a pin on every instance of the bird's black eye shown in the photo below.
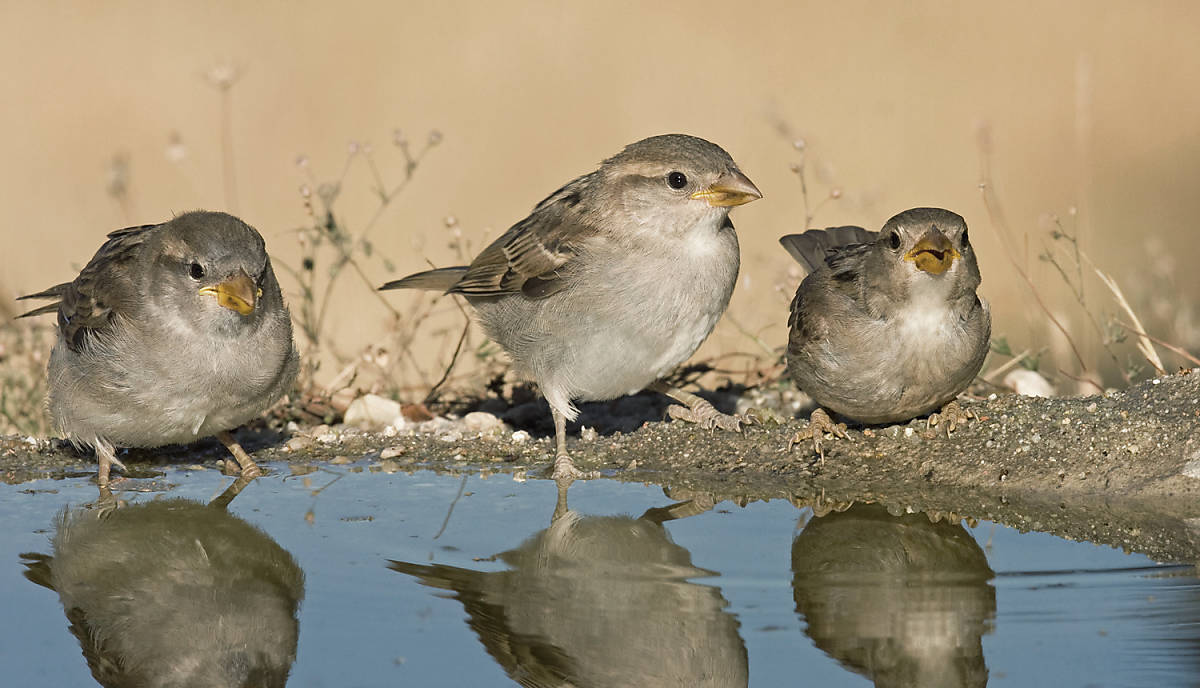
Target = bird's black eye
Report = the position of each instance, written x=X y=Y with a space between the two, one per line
x=677 y=180
x=894 y=240
x=196 y=270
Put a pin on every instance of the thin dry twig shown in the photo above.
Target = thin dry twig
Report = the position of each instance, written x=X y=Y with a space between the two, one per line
x=996 y=214
x=1177 y=350
x=1144 y=345
x=1006 y=366
x=432 y=395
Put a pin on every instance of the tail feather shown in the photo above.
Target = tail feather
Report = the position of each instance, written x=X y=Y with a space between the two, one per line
x=48 y=308
x=55 y=292
x=441 y=279
x=811 y=248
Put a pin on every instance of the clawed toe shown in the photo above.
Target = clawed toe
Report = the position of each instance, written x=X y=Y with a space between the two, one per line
x=952 y=415
x=708 y=417
x=819 y=423
x=564 y=469
x=106 y=503
x=252 y=471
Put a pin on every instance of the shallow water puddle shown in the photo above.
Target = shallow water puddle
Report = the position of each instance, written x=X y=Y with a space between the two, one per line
x=437 y=580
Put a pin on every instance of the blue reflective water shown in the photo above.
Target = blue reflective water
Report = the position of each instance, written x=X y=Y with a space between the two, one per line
x=434 y=580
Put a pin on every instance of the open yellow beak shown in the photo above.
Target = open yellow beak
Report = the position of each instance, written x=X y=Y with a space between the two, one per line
x=730 y=190
x=933 y=253
x=238 y=293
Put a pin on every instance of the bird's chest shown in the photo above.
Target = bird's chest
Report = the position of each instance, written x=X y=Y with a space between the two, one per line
x=210 y=375
x=676 y=296
x=646 y=313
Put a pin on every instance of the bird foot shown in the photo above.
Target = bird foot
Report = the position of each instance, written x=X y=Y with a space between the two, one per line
x=819 y=423
x=951 y=415
x=708 y=417
x=251 y=472
x=106 y=503
x=249 y=469
x=565 y=470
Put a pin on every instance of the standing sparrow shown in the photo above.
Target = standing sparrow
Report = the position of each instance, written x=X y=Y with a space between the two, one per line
x=886 y=326
x=613 y=280
x=171 y=333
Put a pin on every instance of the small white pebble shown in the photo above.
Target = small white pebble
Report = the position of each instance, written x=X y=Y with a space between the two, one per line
x=520 y=436
x=391 y=452
x=297 y=444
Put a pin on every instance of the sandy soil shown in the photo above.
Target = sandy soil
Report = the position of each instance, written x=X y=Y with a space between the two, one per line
x=1121 y=469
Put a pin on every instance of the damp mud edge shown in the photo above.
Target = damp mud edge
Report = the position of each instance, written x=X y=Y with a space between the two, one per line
x=1122 y=469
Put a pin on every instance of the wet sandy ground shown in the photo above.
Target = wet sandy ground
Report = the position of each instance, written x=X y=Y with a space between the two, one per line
x=1121 y=469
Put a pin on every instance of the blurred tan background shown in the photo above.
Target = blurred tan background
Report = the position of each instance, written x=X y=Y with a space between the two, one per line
x=113 y=115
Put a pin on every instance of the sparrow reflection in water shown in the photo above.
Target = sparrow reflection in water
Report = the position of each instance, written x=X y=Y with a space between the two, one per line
x=898 y=599
x=173 y=593
x=599 y=601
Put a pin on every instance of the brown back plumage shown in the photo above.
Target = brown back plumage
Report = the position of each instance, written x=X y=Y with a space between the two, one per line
x=103 y=288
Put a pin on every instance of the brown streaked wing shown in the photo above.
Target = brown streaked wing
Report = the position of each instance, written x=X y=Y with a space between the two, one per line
x=530 y=256
x=103 y=288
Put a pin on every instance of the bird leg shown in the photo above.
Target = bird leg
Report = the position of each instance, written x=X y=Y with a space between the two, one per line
x=560 y=504
x=951 y=414
x=222 y=501
x=699 y=411
x=819 y=423
x=107 y=456
x=249 y=468
x=564 y=467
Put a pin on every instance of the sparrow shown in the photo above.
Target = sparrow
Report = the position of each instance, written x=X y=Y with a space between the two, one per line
x=613 y=280
x=887 y=325
x=171 y=333
x=173 y=592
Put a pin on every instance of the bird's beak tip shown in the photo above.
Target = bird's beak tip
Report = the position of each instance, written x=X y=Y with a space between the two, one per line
x=237 y=293
x=730 y=190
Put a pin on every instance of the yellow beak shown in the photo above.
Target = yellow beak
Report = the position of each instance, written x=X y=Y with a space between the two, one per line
x=933 y=253
x=730 y=190
x=238 y=293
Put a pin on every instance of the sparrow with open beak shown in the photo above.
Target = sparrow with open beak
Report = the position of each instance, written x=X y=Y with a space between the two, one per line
x=171 y=333
x=613 y=280
x=887 y=326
